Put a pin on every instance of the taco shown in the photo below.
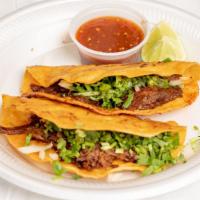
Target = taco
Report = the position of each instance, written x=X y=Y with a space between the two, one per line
x=86 y=143
x=136 y=89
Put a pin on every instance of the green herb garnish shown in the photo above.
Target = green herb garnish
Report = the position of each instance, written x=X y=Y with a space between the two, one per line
x=154 y=152
x=195 y=141
x=196 y=128
x=57 y=168
x=117 y=91
x=167 y=60
x=76 y=177
x=28 y=139
x=129 y=100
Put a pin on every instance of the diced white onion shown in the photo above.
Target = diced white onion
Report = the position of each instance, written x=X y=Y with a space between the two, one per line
x=119 y=150
x=53 y=156
x=105 y=146
x=195 y=144
x=80 y=133
x=34 y=148
x=122 y=176
x=184 y=78
x=64 y=84
x=177 y=82
x=188 y=151
x=42 y=155
x=137 y=88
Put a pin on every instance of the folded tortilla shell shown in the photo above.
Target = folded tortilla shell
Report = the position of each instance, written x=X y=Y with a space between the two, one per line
x=17 y=111
x=45 y=76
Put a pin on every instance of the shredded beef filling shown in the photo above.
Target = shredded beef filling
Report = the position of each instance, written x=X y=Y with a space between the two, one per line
x=53 y=89
x=89 y=158
x=37 y=133
x=97 y=158
x=99 y=149
x=146 y=98
x=151 y=97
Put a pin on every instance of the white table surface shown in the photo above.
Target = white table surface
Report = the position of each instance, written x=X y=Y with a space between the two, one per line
x=11 y=192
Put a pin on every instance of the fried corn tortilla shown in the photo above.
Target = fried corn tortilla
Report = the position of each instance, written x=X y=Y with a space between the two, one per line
x=136 y=89
x=66 y=121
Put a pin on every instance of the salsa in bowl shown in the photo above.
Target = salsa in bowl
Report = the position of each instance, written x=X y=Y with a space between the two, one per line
x=109 y=33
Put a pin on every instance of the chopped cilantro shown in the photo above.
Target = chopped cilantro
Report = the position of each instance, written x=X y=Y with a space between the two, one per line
x=28 y=139
x=167 y=60
x=196 y=128
x=195 y=141
x=117 y=91
x=76 y=177
x=143 y=159
x=129 y=100
x=149 y=170
x=153 y=152
x=195 y=144
x=181 y=158
x=57 y=168
x=61 y=143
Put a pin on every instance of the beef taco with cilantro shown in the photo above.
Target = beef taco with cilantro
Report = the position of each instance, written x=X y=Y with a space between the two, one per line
x=137 y=89
x=87 y=144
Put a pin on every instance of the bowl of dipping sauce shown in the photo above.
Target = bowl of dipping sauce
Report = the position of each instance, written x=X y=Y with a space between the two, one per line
x=109 y=33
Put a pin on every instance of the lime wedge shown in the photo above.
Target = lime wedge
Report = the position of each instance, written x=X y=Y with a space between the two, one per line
x=163 y=43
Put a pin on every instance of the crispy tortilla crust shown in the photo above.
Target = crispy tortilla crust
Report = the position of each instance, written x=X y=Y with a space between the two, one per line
x=46 y=76
x=17 y=111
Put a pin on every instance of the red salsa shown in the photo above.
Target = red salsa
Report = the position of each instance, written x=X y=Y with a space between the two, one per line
x=109 y=34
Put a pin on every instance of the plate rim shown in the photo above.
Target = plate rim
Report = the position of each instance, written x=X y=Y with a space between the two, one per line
x=38 y=5
x=125 y=191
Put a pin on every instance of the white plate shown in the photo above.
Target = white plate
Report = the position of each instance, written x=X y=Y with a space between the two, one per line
x=35 y=35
